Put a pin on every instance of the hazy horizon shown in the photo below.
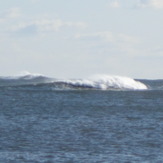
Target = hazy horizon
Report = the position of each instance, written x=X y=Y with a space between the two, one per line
x=78 y=39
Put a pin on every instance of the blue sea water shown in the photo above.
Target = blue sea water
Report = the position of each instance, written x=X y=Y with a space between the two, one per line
x=105 y=120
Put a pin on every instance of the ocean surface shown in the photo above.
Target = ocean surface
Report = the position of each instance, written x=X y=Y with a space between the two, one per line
x=103 y=119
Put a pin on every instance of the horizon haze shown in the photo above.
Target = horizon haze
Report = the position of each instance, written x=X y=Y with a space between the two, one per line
x=78 y=39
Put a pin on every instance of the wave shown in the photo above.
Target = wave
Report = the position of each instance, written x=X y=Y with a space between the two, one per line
x=97 y=82
x=105 y=82
x=24 y=79
x=24 y=75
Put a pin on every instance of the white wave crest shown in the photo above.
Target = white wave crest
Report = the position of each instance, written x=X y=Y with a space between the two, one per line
x=102 y=82
x=23 y=75
x=105 y=82
x=28 y=75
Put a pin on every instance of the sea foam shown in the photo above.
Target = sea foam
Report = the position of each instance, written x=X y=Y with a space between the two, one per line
x=106 y=82
x=100 y=82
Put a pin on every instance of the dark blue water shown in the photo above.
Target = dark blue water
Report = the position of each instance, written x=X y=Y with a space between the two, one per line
x=39 y=124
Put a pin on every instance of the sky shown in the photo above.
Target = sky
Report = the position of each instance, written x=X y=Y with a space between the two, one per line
x=80 y=38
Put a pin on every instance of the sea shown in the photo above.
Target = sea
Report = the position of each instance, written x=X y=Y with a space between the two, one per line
x=101 y=119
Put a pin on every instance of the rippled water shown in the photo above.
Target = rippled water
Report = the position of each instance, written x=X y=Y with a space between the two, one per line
x=69 y=126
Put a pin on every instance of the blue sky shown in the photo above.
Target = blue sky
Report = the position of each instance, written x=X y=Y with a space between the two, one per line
x=80 y=38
